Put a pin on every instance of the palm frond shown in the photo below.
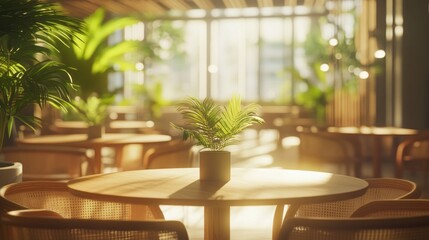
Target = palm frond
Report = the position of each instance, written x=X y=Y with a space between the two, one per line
x=24 y=20
x=28 y=31
x=98 y=31
x=215 y=127
x=115 y=55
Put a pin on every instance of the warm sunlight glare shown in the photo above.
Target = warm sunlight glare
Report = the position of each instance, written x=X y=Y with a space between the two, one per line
x=324 y=67
x=333 y=42
x=380 y=53
x=290 y=142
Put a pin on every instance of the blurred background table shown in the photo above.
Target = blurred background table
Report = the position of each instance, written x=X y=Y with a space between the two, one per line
x=376 y=134
x=117 y=141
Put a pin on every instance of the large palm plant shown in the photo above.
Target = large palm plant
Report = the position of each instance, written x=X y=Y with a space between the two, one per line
x=27 y=75
x=94 y=55
x=213 y=126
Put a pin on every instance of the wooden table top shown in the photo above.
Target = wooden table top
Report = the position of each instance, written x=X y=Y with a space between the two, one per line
x=248 y=186
x=117 y=124
x=107 y=139
x=379 y=131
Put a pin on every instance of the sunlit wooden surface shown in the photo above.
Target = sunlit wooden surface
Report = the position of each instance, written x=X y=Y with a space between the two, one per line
x=125 y=126
x=247 y=187
x=114 y=140
x=377 y=134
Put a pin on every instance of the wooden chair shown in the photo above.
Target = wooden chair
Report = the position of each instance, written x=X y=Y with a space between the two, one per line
x=413 y=153
x=174 y=154
x=49 y=163
x=398 y=207
x=22 y=225
x=55 y=196
x=317 y=148
x=373 y=228
x=379 y=188
x=376 y=220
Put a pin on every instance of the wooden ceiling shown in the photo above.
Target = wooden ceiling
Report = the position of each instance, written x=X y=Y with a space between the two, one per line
x=82 y=8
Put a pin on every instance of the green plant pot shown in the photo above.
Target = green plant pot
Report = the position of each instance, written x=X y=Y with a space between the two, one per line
x=95 y=131
x=215 y=166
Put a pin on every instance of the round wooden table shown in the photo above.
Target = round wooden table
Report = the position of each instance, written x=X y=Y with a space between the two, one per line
x=113 y=140
x=376 y=133
x=248 y=186
x=115 y=126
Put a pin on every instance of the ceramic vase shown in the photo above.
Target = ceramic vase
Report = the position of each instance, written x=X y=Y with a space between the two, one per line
x=215 y=166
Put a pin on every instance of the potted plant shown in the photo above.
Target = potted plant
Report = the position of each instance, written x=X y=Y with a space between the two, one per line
x=93 y=111
x=214 y=127
x=27 y=75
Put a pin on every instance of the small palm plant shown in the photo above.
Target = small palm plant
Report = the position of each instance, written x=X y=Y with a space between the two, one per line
x=213 y=126
x=94 y=110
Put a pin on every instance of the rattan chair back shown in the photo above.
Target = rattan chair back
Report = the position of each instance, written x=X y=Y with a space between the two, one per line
x=174 y=154
x=378 y=189
x=19 y=226
x=55 y=196
x=373 y=228
x=49 y=162
x=412 y=153
x=393 y=208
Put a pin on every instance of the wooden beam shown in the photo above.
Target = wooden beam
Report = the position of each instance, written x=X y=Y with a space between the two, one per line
x=290 y=3
x=176 y=4
x=116 y=7
x=204 y=4
x=235 y=3
x=145 y=6
x=80 y=9
x=265 y=3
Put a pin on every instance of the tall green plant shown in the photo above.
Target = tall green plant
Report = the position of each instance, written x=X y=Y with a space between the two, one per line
x=94 y=56
x=28 y=76
x=213 y=126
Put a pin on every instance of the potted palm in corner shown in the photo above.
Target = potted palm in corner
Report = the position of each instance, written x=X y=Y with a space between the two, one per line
x=214 y=127
x=27 y=75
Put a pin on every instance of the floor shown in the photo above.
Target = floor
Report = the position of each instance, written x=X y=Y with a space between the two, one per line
x=259 y=150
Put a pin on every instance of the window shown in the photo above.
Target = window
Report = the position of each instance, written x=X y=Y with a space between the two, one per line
x=270 y=56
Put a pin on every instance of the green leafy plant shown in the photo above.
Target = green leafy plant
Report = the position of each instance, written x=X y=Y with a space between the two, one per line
x=94 y=56
x=27 y=75
x=214 y=126
x=93 y=110
x=151 y=96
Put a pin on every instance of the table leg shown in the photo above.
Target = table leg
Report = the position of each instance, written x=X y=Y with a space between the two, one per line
x=118 y=157
x=216 y=223
x=376 y=157
x=97 y=160
x=280 y=217
x=277 y=222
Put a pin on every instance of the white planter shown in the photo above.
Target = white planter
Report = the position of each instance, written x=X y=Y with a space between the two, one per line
x=10 y=172
x=215 y=166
